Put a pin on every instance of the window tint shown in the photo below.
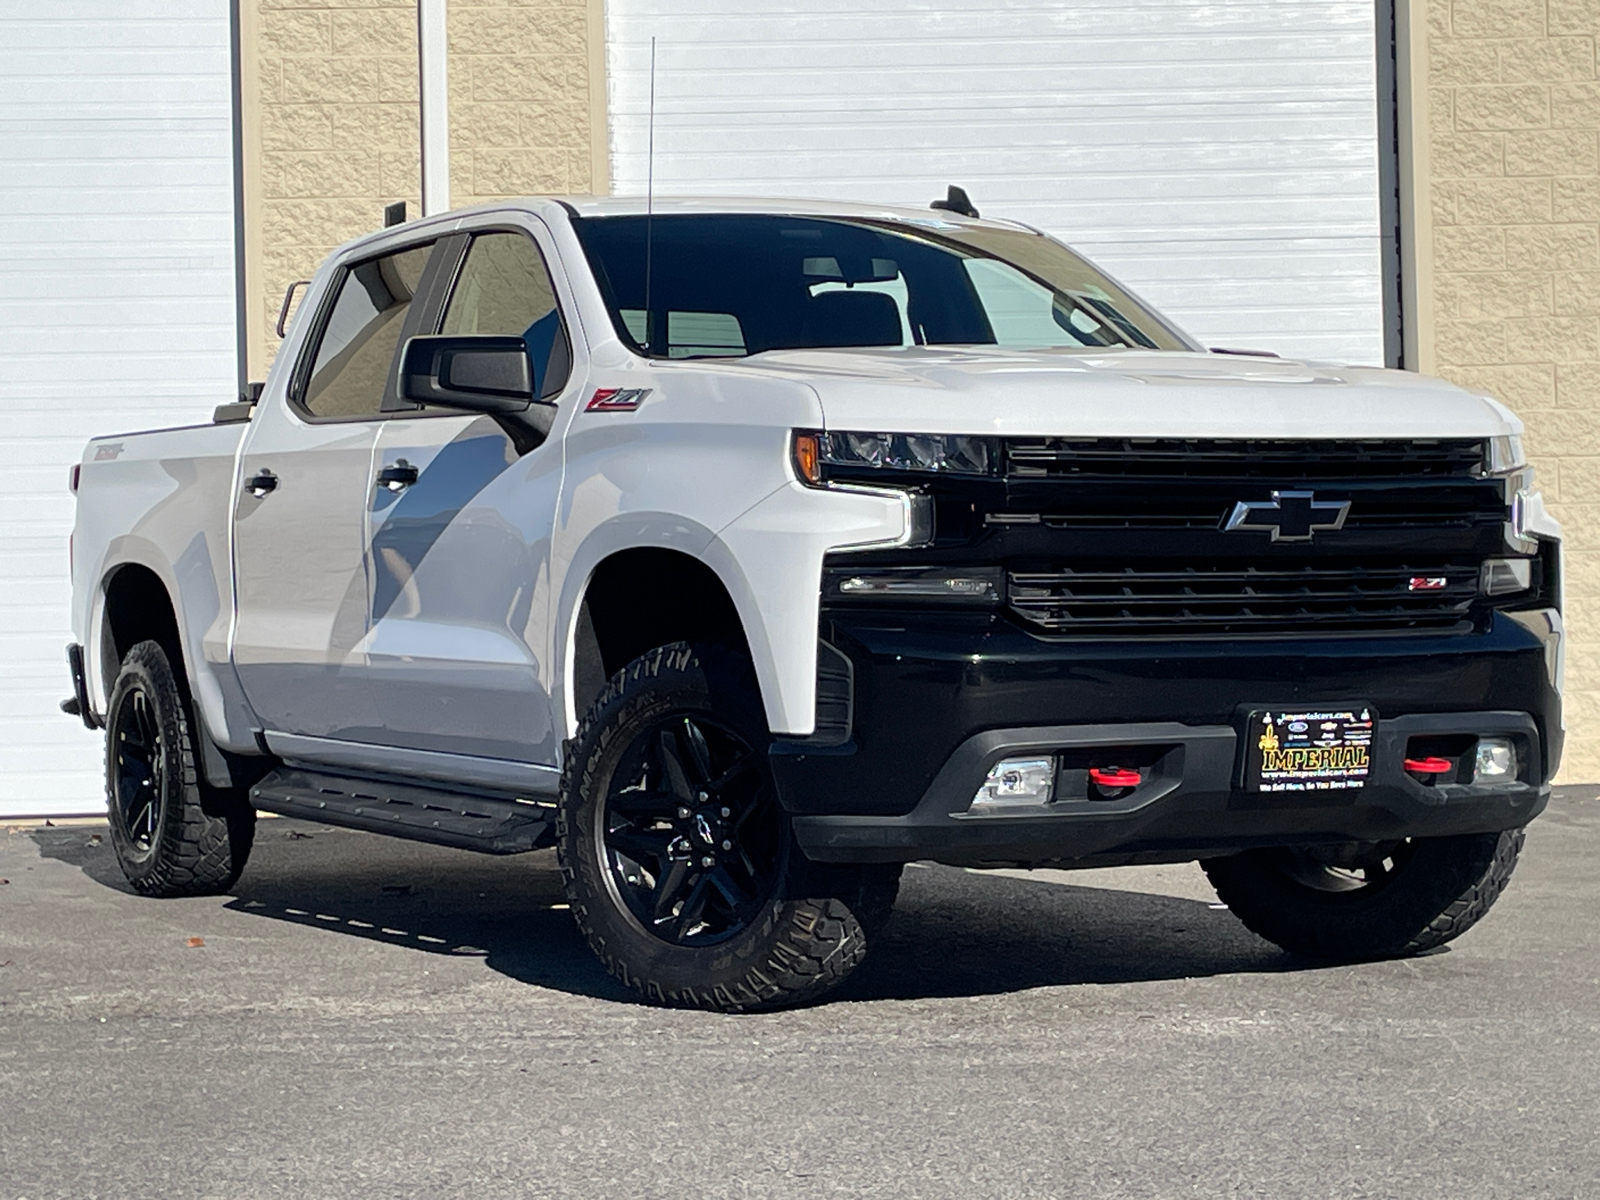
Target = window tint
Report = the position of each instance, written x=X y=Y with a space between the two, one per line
x=694 y=334
x=358 y=342
x=787 y=282
x=504 y=288
x=1023 y=312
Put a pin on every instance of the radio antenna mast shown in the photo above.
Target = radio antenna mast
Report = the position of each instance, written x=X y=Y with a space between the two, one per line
x=650 y=200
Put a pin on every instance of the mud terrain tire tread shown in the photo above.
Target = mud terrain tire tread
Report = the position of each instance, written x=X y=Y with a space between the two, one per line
x=205 y=833
x=805 y=943
x=1441 y=893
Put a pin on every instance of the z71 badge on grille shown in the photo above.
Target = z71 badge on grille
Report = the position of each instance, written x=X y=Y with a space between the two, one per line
x=1288 y=516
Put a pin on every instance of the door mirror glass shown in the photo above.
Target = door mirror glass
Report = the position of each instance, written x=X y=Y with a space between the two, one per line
x=482 y=373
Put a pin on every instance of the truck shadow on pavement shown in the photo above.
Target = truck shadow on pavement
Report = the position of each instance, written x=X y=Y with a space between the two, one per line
x=954 y=933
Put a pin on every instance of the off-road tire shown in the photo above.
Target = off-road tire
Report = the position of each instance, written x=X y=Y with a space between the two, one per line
x=194 y=839
x=1443 y=887
x=812 y=929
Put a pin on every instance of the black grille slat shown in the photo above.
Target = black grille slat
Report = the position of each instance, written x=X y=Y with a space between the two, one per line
x=1243 y=459
x=1243 y=599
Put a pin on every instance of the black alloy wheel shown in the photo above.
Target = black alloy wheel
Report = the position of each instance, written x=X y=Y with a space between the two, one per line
x=690 y=827
x=1346 y=869
x=677 y=856
x=173 y=834
x=138 y=771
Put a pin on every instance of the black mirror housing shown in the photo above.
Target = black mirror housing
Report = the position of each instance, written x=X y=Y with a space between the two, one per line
x=480 y=373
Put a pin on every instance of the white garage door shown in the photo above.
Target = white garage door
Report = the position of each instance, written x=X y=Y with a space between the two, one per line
x=116 y=310
x=1220 y=158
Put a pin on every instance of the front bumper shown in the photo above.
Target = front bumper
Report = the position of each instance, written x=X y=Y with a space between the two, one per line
x=937 y=699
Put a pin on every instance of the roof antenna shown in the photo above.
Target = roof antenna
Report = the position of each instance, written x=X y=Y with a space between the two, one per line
x=650 y=198
x=955 y=200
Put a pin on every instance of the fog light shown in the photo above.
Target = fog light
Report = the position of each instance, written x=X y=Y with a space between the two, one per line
x=1016 y=783
x=1495 y=762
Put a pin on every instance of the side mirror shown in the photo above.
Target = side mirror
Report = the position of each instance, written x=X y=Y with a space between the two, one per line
x=478 y=373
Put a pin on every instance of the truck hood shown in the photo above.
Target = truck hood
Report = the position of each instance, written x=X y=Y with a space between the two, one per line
x=1127 y=394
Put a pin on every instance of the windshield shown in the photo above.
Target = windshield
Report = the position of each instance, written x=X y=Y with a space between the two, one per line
x=735 y=285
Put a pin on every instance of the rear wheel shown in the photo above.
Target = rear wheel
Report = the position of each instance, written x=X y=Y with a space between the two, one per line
x=678 y=858
x=1367 y=900
x=173 y=835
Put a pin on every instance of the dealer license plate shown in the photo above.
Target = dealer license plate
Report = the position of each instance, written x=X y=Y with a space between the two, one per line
x=1309 y=750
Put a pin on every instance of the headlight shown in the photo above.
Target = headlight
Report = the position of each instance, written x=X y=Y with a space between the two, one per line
x=1505 y=455
x=1505 y=576
x=934 y=453
x=1504 y=459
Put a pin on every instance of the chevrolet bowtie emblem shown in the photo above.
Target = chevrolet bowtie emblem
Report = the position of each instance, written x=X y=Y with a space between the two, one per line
x=1288 y=516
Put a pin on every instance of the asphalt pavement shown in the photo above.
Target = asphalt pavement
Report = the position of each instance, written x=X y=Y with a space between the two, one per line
x=369 y=1017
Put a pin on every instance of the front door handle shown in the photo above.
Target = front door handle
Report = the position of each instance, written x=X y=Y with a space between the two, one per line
x=262 y=482
x=398 y=477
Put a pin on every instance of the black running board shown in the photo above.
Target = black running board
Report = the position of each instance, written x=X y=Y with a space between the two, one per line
x=467 y=821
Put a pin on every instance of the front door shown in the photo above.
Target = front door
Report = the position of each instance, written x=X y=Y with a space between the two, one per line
x=459 y=529
x=300 y=531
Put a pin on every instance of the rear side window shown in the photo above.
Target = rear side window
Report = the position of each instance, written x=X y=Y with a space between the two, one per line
x=358 y=343
x=504 y=288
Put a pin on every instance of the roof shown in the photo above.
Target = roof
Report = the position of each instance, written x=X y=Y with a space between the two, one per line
x=618 y=206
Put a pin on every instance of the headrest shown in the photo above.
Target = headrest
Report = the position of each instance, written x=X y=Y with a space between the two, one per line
x=854 y=318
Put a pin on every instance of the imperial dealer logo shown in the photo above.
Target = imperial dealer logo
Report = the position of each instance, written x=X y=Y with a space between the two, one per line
x=1288 y=516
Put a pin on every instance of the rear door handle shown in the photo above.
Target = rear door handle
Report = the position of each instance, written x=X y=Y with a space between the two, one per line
x=397 y=477
x=262 y=482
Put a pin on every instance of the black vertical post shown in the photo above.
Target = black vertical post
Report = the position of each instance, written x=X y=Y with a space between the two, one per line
x=1390 y=261
x=241 y=313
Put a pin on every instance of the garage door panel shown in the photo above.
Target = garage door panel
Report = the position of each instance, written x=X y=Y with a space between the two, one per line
x=1222 y=158
x=116 y=308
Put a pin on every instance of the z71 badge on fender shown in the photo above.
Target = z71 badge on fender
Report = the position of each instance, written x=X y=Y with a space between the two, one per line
x=616 y=399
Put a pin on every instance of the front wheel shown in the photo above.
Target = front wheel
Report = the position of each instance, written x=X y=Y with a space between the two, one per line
x=1367 y=900
x=677 y=856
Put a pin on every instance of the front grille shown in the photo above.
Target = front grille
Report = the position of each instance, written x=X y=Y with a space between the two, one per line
x=1199 y=506
x=1191 y=458
x=1245 y=599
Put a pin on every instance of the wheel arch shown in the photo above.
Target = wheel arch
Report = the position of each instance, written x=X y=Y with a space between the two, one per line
x=136 y=605
x=136 y=602
x=640 y=597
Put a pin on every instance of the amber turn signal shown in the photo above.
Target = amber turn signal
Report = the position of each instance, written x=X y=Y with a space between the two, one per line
x=808 y=459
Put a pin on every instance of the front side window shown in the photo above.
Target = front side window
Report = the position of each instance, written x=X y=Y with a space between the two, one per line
x=504 y=288
x=357 y=347
x=715 y=285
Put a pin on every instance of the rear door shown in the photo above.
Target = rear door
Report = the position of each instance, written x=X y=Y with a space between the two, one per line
x=300 y=521
x=459 y=529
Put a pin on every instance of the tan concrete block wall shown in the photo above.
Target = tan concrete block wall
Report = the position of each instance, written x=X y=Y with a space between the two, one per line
x=520 y=119
x=1514 y=142
x=332 y=131
x=336 y=131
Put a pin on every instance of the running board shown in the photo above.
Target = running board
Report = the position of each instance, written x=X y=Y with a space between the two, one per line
x=488 y=824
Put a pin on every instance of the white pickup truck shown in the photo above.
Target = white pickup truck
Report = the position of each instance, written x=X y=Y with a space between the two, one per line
x=745 y=551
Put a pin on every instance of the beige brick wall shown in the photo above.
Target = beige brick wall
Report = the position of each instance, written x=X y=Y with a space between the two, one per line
x=1512 y=121
x=331 y=122
x=520 y=99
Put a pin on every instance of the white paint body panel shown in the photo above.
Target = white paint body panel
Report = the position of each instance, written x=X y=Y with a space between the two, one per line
x=1223 y=159
x=116 y=312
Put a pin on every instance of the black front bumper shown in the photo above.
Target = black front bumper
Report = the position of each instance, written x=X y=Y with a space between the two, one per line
x=939 y=698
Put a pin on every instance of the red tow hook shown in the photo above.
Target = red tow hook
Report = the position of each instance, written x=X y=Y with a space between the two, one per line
x=1114 y=777
x=1432 y=765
